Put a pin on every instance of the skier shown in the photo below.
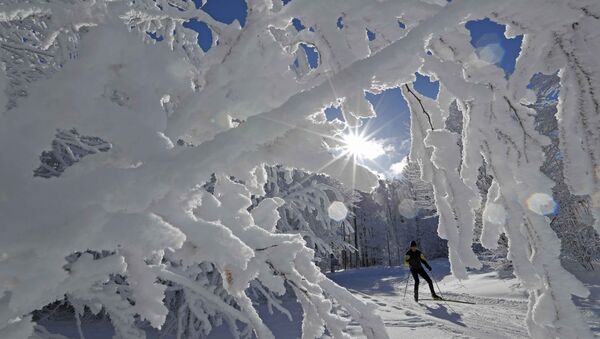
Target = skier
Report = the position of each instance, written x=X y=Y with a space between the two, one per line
x=413 y=259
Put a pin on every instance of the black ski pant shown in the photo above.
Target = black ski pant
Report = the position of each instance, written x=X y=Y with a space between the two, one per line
x=421 y=272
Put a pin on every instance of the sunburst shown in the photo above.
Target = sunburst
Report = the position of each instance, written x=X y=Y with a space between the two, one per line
x=361 y=146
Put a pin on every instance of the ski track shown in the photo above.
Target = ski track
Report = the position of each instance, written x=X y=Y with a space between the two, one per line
x=489 y=317
x=506 y=319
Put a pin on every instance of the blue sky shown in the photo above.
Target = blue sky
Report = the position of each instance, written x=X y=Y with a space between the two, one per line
x=392 y=124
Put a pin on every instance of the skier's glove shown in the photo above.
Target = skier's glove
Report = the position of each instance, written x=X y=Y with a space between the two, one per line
x=429 y=268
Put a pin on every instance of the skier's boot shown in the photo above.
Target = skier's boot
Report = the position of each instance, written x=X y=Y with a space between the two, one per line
x=436 y=297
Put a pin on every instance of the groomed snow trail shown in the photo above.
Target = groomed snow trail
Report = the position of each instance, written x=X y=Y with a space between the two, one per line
x=499 y=311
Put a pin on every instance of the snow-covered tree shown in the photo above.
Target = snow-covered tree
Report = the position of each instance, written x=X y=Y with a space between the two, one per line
x=375 y=246
x=83 y=65
x=418 y=206
x=420 y=192
x=116 y=182
x=500 y=128
x=572 y=219
x=314 y=206
x=397 y=212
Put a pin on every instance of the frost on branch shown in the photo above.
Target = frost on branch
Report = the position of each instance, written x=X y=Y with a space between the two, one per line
x=499 y=126
x=579 y=108
x=143 y=206
x=83 y=64
x=38 y=39
x=573 y=220
x=267 y=262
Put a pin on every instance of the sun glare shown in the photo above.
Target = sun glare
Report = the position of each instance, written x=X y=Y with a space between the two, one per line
x=361 y=147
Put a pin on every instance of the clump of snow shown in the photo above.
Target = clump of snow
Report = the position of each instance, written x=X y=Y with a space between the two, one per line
x=495 y=213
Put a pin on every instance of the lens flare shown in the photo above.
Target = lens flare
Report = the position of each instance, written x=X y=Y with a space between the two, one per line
x=542 y=204
x=337 y=211
x=492 y=53
x=407 y=208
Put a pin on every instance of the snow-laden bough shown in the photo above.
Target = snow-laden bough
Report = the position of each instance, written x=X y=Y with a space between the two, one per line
x=173 y=115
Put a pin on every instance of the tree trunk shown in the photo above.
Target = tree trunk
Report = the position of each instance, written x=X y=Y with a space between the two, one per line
x=387 y=238
x=355 y=236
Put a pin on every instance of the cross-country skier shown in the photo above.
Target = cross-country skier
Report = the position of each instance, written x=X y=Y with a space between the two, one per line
x=413 y=259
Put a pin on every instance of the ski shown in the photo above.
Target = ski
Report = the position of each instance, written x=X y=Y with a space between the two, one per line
x=450 y=300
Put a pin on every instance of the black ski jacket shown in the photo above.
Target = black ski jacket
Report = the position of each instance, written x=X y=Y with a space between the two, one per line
x=414 y=260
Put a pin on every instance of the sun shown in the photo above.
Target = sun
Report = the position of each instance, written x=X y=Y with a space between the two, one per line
x=361 y=147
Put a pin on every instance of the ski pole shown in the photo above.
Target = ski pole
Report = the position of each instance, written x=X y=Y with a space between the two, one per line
x=444 y=300
x=406 y=287
x=438 y=287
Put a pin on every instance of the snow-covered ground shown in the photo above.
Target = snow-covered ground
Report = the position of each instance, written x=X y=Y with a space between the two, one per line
x=499 y=309
x=590 y=307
